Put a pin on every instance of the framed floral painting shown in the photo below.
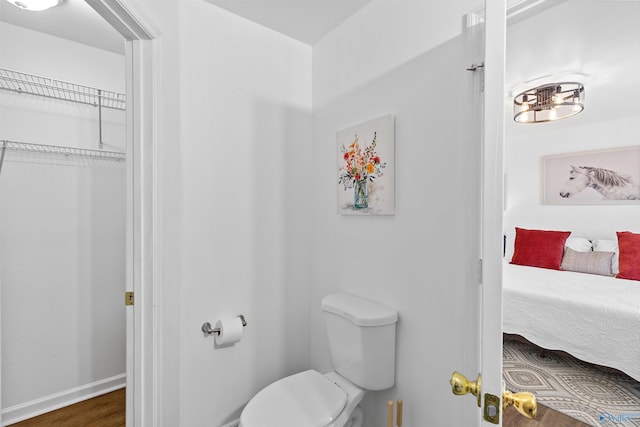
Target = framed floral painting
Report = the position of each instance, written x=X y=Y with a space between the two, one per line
x=366 y=168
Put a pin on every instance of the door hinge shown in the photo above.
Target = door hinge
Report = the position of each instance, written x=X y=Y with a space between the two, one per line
x=474 y=67
x=480 y=271
x=128 y=298
x=478 y=67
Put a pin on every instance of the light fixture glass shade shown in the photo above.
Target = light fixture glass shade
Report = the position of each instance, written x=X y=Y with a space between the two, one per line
x=553 y=101
x=35 y=5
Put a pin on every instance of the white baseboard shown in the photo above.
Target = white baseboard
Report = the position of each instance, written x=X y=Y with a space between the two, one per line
x=59 y=400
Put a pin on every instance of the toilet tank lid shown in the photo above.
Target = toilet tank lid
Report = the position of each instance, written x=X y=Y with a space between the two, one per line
x=359 y=311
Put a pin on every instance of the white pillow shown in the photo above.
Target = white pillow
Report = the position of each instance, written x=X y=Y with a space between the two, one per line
x=579 y=244
x=605 y=245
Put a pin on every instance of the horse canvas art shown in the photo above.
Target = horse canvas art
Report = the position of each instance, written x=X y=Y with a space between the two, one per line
x=610 y=184
x=599 y=177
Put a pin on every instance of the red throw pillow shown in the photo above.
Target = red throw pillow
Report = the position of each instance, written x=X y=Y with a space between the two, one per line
x=539 y=248
x=629 y=258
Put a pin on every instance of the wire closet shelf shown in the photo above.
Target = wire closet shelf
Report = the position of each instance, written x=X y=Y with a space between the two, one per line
x=42 y=86
x=60 y=150
x=24 y=83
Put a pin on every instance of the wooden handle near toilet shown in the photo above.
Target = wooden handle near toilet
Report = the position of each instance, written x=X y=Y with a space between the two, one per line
x=399 y=414
x=390 y=413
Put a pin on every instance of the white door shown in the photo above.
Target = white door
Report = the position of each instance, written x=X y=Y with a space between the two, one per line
x=487 y=38
x=492 y=179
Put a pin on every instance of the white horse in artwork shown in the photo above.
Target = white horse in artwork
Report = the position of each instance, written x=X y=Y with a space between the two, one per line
x=612 y=185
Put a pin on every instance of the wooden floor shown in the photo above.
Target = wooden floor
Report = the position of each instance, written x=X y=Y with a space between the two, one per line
x=546 y=417
x=107 y=410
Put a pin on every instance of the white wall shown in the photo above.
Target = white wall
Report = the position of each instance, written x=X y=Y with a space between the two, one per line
x=611 y=117
x=248 y=202
x=235 y=99
x=62 y=231
x=246 y=196
x=406 y=59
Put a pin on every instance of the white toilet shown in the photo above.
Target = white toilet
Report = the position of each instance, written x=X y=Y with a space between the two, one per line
x=362 y=341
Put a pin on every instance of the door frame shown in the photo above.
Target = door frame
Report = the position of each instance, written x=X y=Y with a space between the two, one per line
x=492 y=196
x=142 y=269
x=497 y=14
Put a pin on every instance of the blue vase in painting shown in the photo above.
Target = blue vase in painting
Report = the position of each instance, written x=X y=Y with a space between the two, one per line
x=360 y=194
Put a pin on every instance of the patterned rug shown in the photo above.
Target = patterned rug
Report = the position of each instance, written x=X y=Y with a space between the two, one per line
x=596 y=395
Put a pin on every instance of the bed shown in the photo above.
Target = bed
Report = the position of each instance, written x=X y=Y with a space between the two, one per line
x=595 y=318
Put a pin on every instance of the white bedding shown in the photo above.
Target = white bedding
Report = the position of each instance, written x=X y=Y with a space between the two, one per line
x=594 y=318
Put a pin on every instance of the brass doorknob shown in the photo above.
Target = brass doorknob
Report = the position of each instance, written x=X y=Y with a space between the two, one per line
x=461 y=385
x=524 y=402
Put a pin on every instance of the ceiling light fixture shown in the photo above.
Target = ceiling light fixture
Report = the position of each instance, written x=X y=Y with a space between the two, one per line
x=553 y=101
x=35 y=5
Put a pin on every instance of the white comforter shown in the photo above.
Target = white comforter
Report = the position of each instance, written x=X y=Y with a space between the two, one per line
x=594 y=318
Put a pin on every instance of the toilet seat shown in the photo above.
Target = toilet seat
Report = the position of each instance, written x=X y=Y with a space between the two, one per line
x=306 y=399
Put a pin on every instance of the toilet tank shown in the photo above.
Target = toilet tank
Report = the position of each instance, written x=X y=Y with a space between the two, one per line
x=362 y=339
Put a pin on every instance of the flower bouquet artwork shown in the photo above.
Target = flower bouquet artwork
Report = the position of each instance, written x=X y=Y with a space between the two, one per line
x=365 y=168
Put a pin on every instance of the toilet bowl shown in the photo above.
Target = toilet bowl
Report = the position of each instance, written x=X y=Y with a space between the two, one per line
x=362 y=338
x=306 y=399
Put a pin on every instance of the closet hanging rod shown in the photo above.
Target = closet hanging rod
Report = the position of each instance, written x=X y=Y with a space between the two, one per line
x=63 y=151
x=17 y=81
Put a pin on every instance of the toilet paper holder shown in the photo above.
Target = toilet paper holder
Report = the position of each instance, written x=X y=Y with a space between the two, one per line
x=208 y=330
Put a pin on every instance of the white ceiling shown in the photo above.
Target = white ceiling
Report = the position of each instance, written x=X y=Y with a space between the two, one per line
x=304 y=20
x=309 y=20
x=72 y=20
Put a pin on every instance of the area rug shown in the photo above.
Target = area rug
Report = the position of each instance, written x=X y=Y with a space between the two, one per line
x=595 y=395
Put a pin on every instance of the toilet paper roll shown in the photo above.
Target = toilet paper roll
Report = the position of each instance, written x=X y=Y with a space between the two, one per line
x=230 y=331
